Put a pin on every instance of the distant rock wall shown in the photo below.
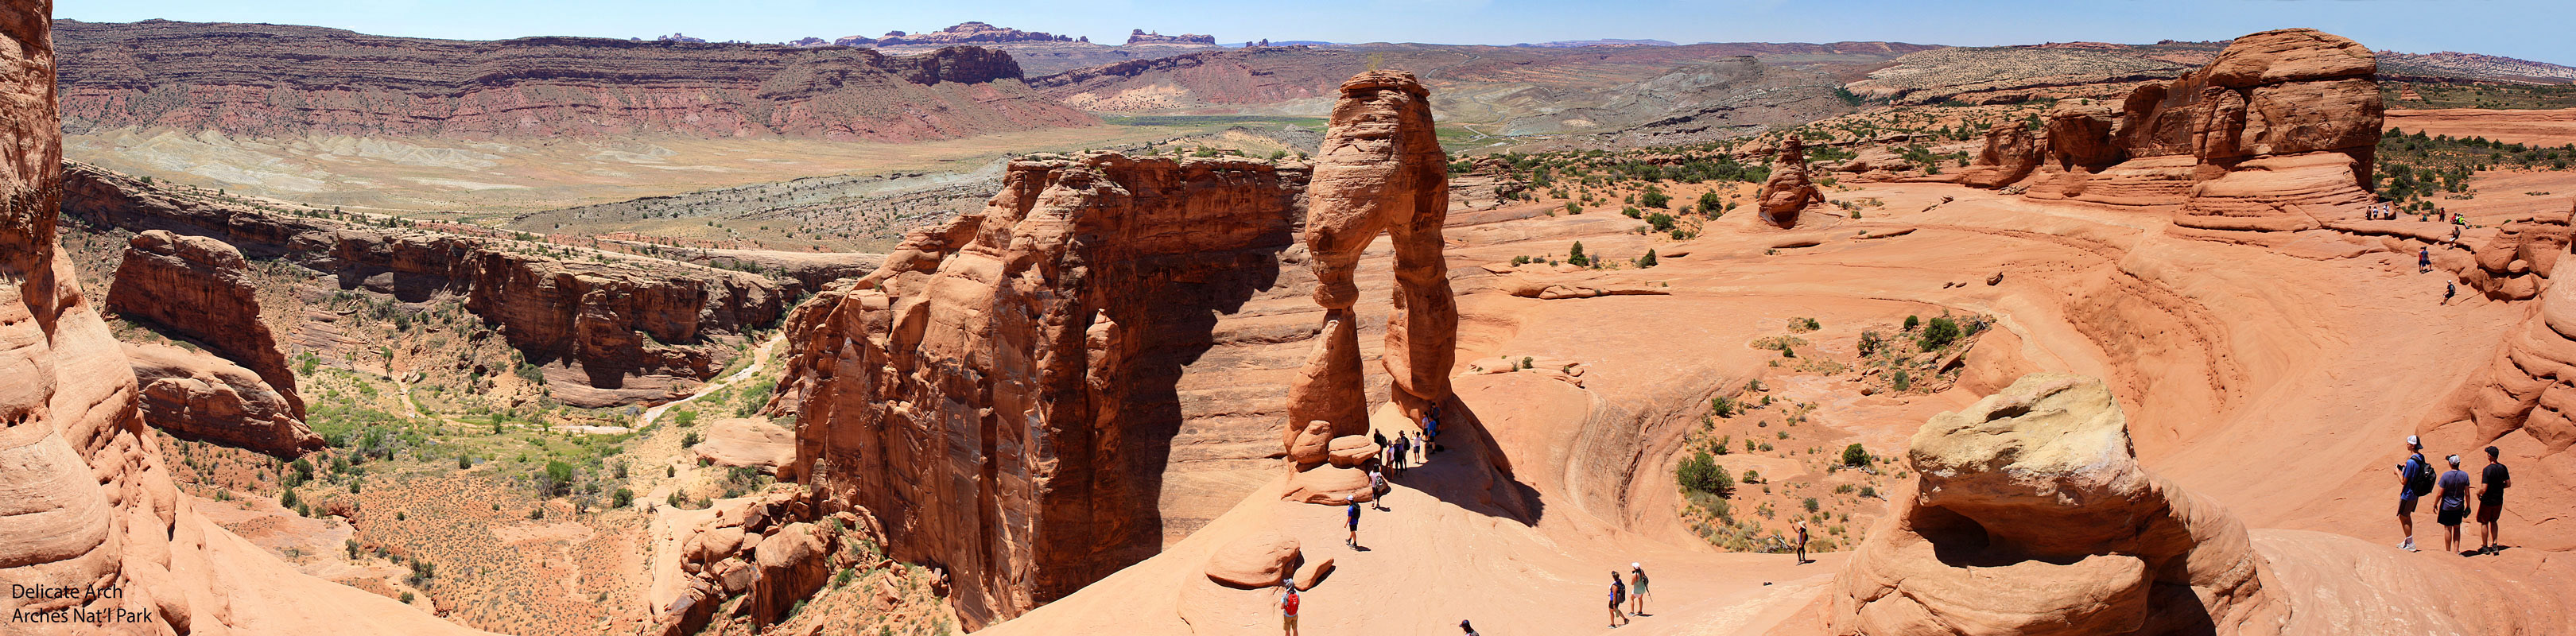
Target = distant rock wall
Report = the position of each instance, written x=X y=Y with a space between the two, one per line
x=1139 y=36
x=277 y=80
x=198 y=287
x=628 y=330
x=1003 y=395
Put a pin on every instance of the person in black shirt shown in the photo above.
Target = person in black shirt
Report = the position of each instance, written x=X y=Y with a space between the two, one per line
x=2491 y=502
x=2454 y=504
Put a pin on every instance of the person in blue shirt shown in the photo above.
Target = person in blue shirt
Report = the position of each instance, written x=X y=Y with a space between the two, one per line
x=1354 y=505
x=2454 y=505
x=2407 y=472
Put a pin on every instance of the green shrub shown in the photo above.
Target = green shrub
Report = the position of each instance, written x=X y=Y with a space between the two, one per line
x=1655 y=198
x=1809 y=504
x=1646 y=261
x=1902 y=381
x=1911 y=322
x=689 y=440
x=623 y=498
x=1701 y=473
x=1722 y=406
x=1940 y=333
x=1855 y=456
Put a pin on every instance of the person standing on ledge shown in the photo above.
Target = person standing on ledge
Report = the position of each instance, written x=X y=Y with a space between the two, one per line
x=2414 y=479
x=2454 y=505
x=2491 y=503
x=1802 y=541
x=1288 y=607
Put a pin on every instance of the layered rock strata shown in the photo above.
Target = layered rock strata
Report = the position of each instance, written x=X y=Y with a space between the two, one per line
x=2530 y=387
x=616 y=330
x=202 y=397
x=1380 y=169
x=1789 y=189
x=199 y=288
x=1003 y=393
x=89 y=499
x=2030 y=515
x=2275 y=134
x=281 y=80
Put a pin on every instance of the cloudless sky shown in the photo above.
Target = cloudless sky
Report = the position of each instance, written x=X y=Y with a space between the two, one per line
x=2543 y=30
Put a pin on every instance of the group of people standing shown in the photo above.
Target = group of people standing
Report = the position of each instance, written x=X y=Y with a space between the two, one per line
x=2416 y=480
x=1631 y=592
x=1393 y=458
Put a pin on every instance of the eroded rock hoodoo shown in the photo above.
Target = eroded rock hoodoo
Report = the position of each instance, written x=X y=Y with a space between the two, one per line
x=1001 y=394
x=2030 y=515
x=1380 y=169
x=2276 y=134
x=1789 y=190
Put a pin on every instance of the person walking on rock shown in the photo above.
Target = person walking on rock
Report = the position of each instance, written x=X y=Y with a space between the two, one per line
x=1470 y=630
x=1377 y=490
x=1354 y=505
x=2454 y=505
x=2423 y=259
x=2491 y=503
x=1618 y=594
x=1288 y=607
x=1802 y=541
x=2414 y=479
x=1637 y=589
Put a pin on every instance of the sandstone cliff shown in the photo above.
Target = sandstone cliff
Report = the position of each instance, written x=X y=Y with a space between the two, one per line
x=1004 y=394
x=202 y=397
x=2274 y=134
x=619 y=330
x=91 y=503
x=2030 y=515
x=277 y=80
x=196 y=287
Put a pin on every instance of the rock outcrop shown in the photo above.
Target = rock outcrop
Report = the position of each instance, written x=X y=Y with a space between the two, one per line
x=1789 y=190
x=2030 y=515
x=1002 y=394
x=2530 y=387
x=202 y=397
x=2275 y=134
x=1139 y=36
x=90 y=502
x=282 y=80
x=1381 y=169
x=772 y=549
x=616 y=330
x=963 y=33
x=198 y=287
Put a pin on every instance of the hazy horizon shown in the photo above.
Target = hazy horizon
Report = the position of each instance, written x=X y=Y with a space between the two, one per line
x=2526 y=29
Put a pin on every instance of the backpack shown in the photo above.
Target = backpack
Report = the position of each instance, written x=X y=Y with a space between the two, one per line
x=2419 y=481
x=1288 y=604
x=1618 y=593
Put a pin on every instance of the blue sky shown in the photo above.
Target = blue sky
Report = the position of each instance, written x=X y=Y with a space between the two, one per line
x=2529 y=29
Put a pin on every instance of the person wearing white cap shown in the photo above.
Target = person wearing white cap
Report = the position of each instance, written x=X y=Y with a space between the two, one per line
x=2414 y=479
x=1637 y=589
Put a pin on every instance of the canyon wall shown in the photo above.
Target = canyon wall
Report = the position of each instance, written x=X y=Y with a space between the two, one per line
x=1007 y=394
x=2275 y=134
x=280 y=80
x=620 y=330
x=198 y=288
x=89 y=499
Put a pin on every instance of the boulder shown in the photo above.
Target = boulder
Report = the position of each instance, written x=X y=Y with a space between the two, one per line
x=1312 y=445
x=1351 y=451
x=747 y=442
x=2030 y=515
x=792 y=567
x=1788 y=191
x=1254 y=561
x=1313 y=573
x=1330 y=486
x=198 y=396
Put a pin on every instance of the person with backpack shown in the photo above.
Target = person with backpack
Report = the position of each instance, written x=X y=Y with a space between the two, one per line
x=1802 y=541
x=1618 y=594
x=1396 y=452
x=1288 y=607
x=1469 y=629
x=2414 y=479
x=1377 y=489
x=1637 y=589
x=2454 y=505
x=2491 y=502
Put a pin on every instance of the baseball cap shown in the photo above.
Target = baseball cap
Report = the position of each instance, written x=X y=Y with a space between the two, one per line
x=2411 y=441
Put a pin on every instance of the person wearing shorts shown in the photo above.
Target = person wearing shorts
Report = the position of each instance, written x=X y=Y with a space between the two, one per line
x=1354 y=504
x=2454 y=504
x=2406 y=491
x=1637 y=589
x=1618 y=594
x=1288 y=602
x=2491 y=502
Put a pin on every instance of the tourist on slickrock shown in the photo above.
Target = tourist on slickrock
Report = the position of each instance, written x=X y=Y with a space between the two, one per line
x=1288 y=607
x=1402 y=444
x=2454 y=505
x=2491 y=503
x=1637 y=589
x=1618 y=594
x=2423 y=259
x=2414 y=479
x=1377 y=489
x=1354 y=505
x=1802 y=541
x=1470 y=630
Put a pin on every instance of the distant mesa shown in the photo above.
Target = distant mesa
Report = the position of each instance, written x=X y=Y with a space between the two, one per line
x=1140 y=36
x=963 y=33
x=676 y=37
x=1567 y=44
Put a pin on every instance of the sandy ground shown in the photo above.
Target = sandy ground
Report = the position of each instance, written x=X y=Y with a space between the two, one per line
x=2276 y=380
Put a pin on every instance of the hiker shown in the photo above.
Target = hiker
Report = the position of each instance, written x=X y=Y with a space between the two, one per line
x=1637 y=589
x=1377 y=490
x=2449 y=290
x=1618 y=594
x=1396 y=453
x=2491 y=503
x=1354 y=504
x=1431 y=431
x=1421 y=450
x=2423 y=259
x=1802 y=541
x=1287 y=607
x=1379 y=437
x=2454 y=505
x=2414 y=479
x=1469 y=629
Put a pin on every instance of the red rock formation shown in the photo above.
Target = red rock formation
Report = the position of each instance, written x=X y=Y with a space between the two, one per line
x=1139 y=36
x=2008 y=156
x=2278 y=131
x=197 y=287
x=1789 y=190
x=1002 y=393
x=963 y=33
x=1381 y=169
x=2031 y=516
x=625 y=331
x=90 y=501
x=202 y=397
x=275 y=80
x=766 y=548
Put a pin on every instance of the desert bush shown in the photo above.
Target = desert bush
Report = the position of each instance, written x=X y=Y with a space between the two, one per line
x=623 y=498
x=1701 y=473
x=1940 y=332
x=1809 y=504
x=1855 y=456
x=1911 y=322
x=1902 y=381
x=1722 y=406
